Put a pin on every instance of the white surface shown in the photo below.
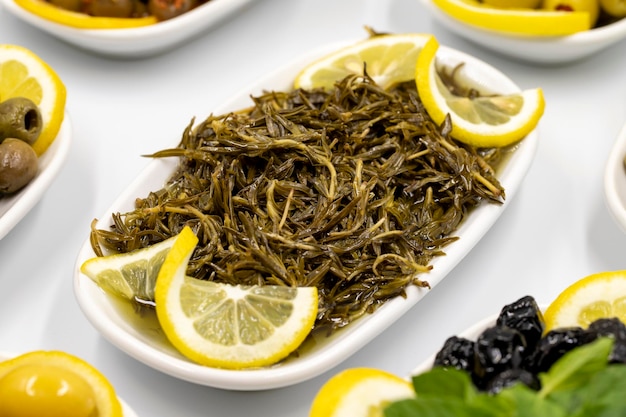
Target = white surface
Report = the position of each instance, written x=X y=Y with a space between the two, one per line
x=615 y=180
x=15 y=206
x=535 y=49
x=126 y=409
x=136 y=42
x=555 y=231
x=151 y=348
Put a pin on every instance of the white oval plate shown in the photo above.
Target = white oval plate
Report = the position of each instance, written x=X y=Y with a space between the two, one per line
x=15 y=206
x=127 y=411
x=136 y=42
x=540 y=50
x=151 y=348
x=615 y=180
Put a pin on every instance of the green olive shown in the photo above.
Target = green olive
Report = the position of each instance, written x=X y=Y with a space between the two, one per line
x=73 y=5
x=18 y=165
x=112 y=8
x=20 y=118
x=168 y=9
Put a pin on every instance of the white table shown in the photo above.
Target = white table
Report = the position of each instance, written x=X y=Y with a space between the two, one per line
x=555 y=231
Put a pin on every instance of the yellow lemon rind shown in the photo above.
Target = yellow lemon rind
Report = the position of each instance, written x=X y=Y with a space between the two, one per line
x=180 y=332
x=516 y=21
x=479 y=135
x=332 y=67
x=81 y=20
x=355 y=391
x=93 y=267
x=564 y=309
x=108 y=404
x=52 y=106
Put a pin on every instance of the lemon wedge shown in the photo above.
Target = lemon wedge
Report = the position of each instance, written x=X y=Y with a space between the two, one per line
x=483 y=121
x=55 y=384
x=130 y=275
x=359 y=392
x=24 y=74
x=59 y=15
x=229 y=326
x=600 y=295
x=516 y=21
x=388 y=59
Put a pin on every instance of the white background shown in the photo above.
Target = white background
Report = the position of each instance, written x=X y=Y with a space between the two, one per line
x=555 y=231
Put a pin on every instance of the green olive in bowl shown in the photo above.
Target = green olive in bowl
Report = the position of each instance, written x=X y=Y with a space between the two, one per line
x=18 y=165
x=20 y=118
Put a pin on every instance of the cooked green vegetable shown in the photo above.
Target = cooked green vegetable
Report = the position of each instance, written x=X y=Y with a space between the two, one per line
x=353 y=191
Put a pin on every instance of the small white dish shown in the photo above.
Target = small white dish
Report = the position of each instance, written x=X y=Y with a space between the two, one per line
x=15 y=206
x=615 y=180
x=136 y=42
x=126 y=410
x=535 y=49
x=148 y=345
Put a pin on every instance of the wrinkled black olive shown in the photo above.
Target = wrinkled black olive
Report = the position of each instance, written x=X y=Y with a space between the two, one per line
x=457 y=352
x=111 y=8
x=614 y=328
x=498 y=348
x=510 y=377
x=555 y=344
x=20 y=119
x=168 y=9
x=524 y=316
x=18 y=165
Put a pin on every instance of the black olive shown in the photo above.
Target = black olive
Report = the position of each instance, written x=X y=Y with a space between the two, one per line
x=524 y=316
x=615 y=328
x=457 y=352
x=168 y=9
x=18 y=165
x=20 y=119
x=511 y=377
x=555 y=344
x=498 y=348
x=111 y=8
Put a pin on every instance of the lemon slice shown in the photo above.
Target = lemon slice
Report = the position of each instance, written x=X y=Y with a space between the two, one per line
x=55 y=384
x=484 y=121
x=388 y=59
x=601 y=295
x=359 y=392
x=517 y=21
x=130 y=275
x=229 y=326
x=81 y=20
x=24 y=74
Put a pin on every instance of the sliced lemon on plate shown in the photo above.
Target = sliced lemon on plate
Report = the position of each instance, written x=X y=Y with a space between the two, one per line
x=59 y=15
x=388 y=59
x=483 y=121
x=516 y=21
x=55 y=384
x=24 y=74
x=130 y=275
x=600 y=295
x=359 y=392
x=229 y=326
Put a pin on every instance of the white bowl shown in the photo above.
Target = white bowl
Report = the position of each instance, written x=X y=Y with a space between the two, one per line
x=615 y=180
x=15 y=206
x=535 y=49
x=136 y=42
x=126 y=410
x=150 y=347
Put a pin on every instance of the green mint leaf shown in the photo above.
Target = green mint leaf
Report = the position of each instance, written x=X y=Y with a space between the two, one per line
x=525 y=402
x=602 y=396
x=436 y=407
x=575 y=368
x=444 y=383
